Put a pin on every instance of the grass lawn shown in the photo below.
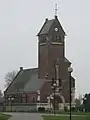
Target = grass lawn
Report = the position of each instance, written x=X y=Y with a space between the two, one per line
x=4 y=117
x=85 y=117
x=73 y=113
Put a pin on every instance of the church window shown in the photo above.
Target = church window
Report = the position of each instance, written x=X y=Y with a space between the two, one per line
x=33 y=99
x=42 y=39
x=60 y=82
x=58 y=38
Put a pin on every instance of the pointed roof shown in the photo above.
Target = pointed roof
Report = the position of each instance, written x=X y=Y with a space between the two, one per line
x=47 y=26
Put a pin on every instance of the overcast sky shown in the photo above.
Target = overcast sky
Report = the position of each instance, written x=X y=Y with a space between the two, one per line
x=20 y=21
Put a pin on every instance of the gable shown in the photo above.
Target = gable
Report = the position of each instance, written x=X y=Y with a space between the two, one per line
x=50 y=24
x=57 y=27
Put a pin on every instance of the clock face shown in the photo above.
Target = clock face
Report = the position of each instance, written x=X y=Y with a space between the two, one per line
x=56 y=29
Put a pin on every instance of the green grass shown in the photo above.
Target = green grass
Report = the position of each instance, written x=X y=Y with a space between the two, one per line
x=4 y=117
x=73 y=113
x=67 y=117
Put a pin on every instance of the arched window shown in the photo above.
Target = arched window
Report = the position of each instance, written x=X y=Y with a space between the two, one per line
x=58 y=38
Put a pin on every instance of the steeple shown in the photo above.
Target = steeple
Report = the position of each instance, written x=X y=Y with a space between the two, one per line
x=51 y=46
x=56 y=9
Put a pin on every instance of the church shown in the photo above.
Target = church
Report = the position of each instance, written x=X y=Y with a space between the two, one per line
x=33 y=88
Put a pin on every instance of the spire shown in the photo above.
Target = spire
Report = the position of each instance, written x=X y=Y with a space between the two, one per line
x=56 y=9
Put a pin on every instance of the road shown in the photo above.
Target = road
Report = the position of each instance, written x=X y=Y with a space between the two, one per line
x=25 y=116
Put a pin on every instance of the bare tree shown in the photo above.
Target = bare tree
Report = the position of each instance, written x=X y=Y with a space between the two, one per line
x=1 y=95
x=9 y=77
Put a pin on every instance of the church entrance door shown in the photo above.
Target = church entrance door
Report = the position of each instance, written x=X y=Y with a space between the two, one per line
x=58 y=100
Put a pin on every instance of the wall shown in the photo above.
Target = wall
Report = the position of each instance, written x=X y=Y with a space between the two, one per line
x=21 y=108
x=34 y=107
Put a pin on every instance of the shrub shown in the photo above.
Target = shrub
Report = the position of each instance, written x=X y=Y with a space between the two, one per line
x=73 y=109
x=65 y=108
x=41 y=109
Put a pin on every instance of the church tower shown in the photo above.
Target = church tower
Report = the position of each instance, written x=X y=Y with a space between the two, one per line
x=51 y=44
x=52 y=62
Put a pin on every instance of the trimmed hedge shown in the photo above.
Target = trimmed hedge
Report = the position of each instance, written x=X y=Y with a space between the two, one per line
x=41 y=109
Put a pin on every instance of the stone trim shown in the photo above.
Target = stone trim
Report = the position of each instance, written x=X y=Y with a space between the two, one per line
x=56 y=43
x=42 y=43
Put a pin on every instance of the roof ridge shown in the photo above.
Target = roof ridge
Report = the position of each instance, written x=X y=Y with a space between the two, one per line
x=42 y=28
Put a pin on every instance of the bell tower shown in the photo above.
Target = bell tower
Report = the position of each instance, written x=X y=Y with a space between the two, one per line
x=50 y=47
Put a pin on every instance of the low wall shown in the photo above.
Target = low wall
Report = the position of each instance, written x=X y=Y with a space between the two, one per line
x=20 y=108
x=33 y=107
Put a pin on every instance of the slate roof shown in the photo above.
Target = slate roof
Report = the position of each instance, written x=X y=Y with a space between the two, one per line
x=47 y=26
x=26 y=80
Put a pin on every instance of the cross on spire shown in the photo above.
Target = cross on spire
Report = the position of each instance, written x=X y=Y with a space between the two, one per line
x=56 y=9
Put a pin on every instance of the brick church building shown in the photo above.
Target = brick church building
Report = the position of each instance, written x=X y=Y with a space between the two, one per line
x=32 y=88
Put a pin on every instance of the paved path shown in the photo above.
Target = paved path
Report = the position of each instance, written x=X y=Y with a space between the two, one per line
x=25 y=116
x=31 y=116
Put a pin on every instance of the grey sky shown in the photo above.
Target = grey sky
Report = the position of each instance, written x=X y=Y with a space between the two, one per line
x=20 y=21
